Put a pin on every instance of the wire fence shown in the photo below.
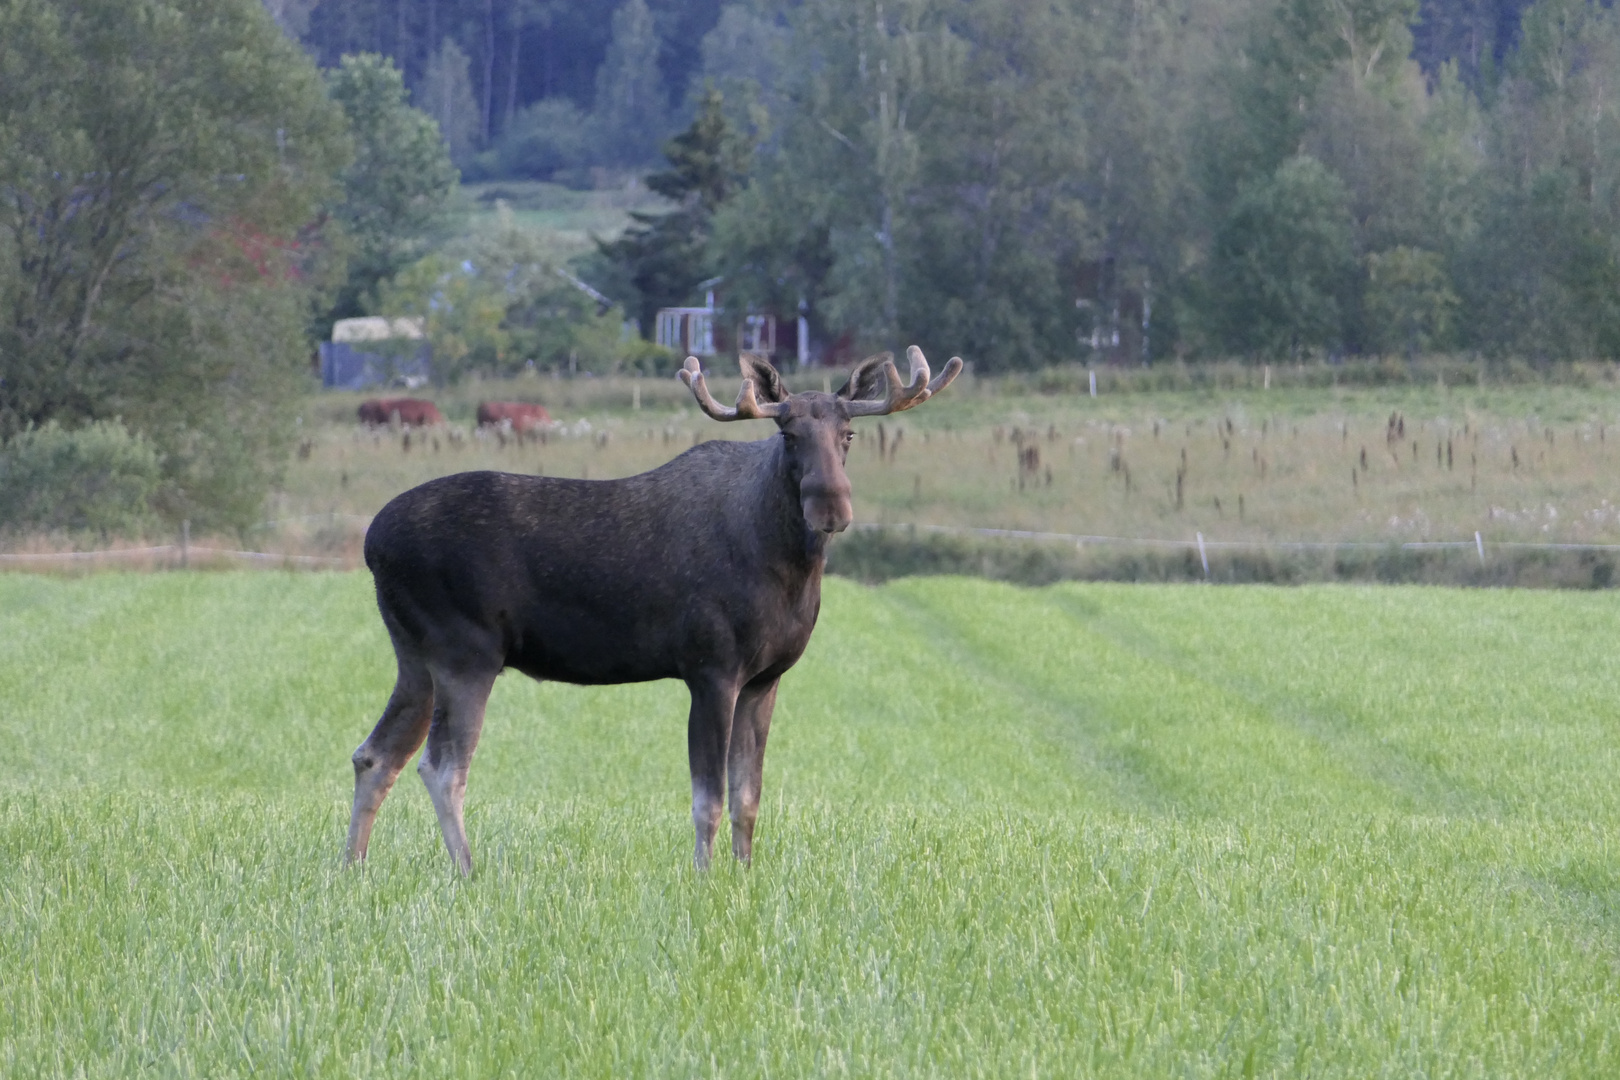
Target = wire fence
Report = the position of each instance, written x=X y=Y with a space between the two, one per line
x=1198 y=540
x=183 y=553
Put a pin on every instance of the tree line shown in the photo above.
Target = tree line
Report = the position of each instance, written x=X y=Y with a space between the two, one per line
x=1101 y=180
x=187 y=199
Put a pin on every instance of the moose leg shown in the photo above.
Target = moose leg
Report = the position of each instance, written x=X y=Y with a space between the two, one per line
x=708 y=731
x=458 y=717
x=745 y=765
x=403 y=726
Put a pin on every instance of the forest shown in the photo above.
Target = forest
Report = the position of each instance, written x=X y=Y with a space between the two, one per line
x=193 y=191
x=1030 y=183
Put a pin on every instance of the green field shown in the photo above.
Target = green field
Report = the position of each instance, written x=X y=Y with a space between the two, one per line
x=1081 y=831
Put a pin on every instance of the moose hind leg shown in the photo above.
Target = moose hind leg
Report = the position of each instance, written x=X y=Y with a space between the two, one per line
x=458 y=718
x=708 y=732
x=745 y=763
x=379 y=760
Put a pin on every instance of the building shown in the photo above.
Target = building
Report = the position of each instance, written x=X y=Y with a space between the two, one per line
x=703 y=331
x=399 y=354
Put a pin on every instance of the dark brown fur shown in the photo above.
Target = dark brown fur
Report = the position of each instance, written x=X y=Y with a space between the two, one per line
x=707 y=569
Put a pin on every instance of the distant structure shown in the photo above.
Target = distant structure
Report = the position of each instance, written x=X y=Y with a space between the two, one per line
x=400 y=355
x=1116 y=313
x=698 y=331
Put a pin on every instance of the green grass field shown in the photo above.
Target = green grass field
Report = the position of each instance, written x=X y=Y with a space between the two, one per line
x=1082 y=831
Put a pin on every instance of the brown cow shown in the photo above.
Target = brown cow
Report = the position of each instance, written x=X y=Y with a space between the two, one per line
x=521 y=415
x=413 y=412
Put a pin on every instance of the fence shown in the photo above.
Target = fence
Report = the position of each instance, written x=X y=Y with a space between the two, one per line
x=183 y=553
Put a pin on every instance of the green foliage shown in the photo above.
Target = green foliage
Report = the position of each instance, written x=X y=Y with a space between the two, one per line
x=446 y=95
x=664 y=257
x=548 y=138
x=1409 y=306
x=497 y=302
x=395 y=192
x=163 y=163
x=1262 y=831
x=99 y=478
x=1282 y=264
x=1539 y=273
x=631 y=109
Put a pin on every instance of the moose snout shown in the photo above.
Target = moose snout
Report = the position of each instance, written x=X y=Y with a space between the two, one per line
x=827 y=507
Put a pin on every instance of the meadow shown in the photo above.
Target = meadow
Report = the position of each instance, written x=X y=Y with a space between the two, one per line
x=1414 y=460
x=1087 y=830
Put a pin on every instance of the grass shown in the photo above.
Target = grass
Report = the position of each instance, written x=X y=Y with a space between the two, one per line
x=563 y=218
x=1085 y=830
x=1516 y=462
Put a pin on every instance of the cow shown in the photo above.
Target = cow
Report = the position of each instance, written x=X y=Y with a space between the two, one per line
x=519 y=415
x=412 y=412
x=707 y=569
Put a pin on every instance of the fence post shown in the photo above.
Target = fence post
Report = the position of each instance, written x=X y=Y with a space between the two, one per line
x=1480 y=545
x=185 y=543
x=1202 y=557
x=1093 y=382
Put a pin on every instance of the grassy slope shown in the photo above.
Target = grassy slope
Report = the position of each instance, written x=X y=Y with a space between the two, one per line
x=1095 y=830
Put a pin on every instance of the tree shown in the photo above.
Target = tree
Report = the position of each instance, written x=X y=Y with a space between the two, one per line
x=665 y=256
x=446 y=95
x=1539 y=272
x=1409 y=305
x=1282 y=265
x=497 y=301
x=631 y=110
x=161 y=165
x=395 y=192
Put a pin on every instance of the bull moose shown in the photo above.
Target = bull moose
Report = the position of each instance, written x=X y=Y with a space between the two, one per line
x=706 y=569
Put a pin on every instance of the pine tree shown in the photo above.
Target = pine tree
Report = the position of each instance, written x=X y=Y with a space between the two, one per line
x=665 y=255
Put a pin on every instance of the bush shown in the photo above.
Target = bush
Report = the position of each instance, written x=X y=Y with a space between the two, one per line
x=547 y=137
x=99 y=478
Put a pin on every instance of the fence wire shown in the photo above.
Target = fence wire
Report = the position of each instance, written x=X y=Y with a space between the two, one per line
x=1197 y=542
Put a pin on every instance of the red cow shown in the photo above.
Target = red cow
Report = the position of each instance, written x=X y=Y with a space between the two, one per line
x=521 y=415
x=413 y=412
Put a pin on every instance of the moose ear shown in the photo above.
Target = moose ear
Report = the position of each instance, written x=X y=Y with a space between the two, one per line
x=767 y=381
x=867 y=379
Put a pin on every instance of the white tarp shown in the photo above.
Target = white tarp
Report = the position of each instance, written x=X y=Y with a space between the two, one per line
x=377 y=328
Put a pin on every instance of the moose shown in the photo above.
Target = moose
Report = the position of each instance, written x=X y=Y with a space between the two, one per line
x=706 y=569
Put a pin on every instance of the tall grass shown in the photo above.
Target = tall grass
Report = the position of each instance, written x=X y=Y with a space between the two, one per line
x=1087 y=830
x=1394 y=463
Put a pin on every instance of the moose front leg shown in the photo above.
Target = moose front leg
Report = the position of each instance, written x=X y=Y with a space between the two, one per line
x=708 y=734
x=745 y=765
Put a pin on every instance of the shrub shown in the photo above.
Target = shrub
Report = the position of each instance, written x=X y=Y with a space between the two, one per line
x=98 y=478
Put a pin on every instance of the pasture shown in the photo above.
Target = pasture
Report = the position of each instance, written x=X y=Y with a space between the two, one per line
x=1518 y=463
x=1087 y=830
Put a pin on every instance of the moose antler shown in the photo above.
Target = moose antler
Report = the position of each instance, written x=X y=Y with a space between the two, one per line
x=901 y=396
x=748 y=406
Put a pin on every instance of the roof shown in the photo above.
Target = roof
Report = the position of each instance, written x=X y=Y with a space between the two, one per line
x=377 y=328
